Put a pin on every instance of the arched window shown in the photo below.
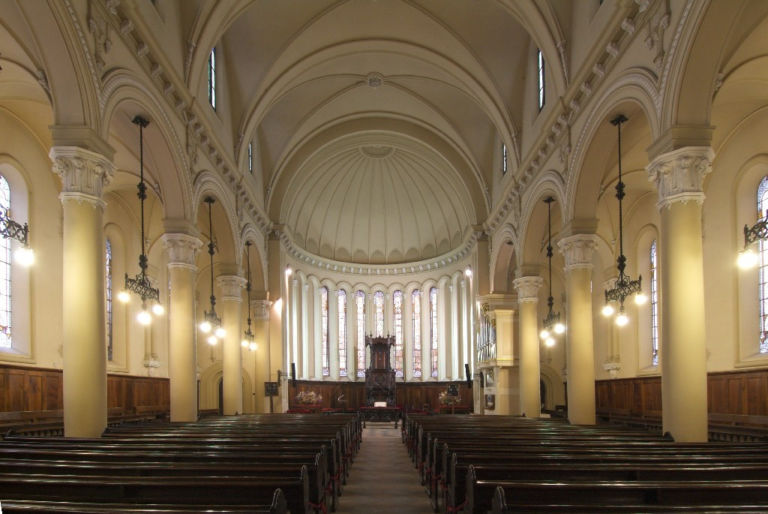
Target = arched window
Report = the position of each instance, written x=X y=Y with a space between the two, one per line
x=762 y=205
x=108 y=277
x=6 y=340
x=416 y=301
x=504 y=157
x=378 y=305
x=654 y=304
x=212 y=78
x=250 y=158
x=397 y=301
x=433 y=330
x=540 y=77
x=342 y=333
x=324 y=329
x=360 y=304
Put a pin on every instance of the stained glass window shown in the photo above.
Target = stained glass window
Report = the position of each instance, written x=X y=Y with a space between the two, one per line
x=108 y=277
x=397 y=301
x=250 y=158
x=433 y=330
x=654 y=305
x=416 y=300
x=762 y=205
x=342 y=333
x=324 y=329
x=5 y=271
x=212 y=78
x=360 y=304
x=504 y=158
x=540 y=65
x=378 y=305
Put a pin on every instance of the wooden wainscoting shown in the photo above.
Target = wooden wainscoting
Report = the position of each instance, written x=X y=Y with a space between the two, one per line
x=41 y=389
x=638 y=397
x=410 y=395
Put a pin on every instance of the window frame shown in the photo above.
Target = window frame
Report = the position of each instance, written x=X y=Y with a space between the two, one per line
x=541 y=84
x=212 y=78
x=416 y=358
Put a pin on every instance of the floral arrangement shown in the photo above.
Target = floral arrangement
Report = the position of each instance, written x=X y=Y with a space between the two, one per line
x=445 y=399
x=309 y=398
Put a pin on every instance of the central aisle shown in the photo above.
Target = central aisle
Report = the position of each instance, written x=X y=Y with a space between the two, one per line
x=382 y=478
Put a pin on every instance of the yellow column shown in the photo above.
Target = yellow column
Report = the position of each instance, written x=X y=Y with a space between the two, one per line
x=275 y=334
x=83 y=174
x=577 y=250
x=530 y=372
x=231 y=290
x=507 y=393
x=260 y=310
x=181 y=250
x=679 y=176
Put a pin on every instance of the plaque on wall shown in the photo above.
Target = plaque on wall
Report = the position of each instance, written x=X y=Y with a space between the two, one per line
x=453 y=390
x=490 y=401
x=270 y=389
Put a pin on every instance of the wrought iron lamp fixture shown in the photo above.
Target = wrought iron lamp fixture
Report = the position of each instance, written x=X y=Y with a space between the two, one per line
x=552 y=323
x=140 y=284
x=9 y=228
x=211 y=323
x=248 y=337
x=625 y=286
x=748 y=258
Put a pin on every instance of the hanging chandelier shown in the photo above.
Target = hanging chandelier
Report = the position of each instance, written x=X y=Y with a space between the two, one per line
x=211 y=323
x=140 y=284
x=624 y=286
x=248 y=337
x=552 y=323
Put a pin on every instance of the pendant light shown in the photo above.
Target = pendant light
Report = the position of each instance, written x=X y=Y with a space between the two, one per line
x=248 y=338
x=211 y=324
x=552 y=323
x=625 y=286
x=140 y=284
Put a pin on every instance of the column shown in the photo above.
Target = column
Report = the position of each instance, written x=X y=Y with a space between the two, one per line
x=577 y=250
x=306 y=357
x=408 y=334
x=275 y=281
x=351 y=337
x=318 y=331
x=455 y=319
x=530 y=372
x=231 y=291
x=181 y=250
x=444 y=326
x=426 y=333
x=679 y=177
x=260 y=310
x=83 y=175
x=296 y=316
x=333 y=333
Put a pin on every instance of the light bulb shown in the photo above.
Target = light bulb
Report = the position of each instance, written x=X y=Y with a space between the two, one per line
x=559 y=328
x=288 y=271
x=244 y=343
x=640 y=299
x=124 y=296
x=212 y=340
x=544 y=333
x=747 y=259
x=468 y=271
x=253 y=346
x=205 y=326
x=622 y=319
x=144 y=317
x=158 y=309
x=24 y=256
x=549 y=342
x=220 y=332
x=607 y=310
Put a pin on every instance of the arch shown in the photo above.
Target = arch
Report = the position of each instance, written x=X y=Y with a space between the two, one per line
x=208 y=183
x=209 y=382
x=258 y=260
x=503 y=259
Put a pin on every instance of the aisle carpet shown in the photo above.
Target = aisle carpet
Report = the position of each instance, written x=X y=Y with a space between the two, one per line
x=382 y=478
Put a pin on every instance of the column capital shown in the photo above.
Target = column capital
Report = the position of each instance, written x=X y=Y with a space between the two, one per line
x=679 y=174
x=577 y=250
x=231 y=287
x=83 y=173
x=181 y=250
x=261 y=309
x=528 y=288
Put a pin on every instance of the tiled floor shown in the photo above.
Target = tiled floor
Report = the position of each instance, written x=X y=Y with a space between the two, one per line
x=382 y=478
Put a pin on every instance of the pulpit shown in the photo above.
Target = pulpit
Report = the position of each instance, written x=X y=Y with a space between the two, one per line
x=380 y=399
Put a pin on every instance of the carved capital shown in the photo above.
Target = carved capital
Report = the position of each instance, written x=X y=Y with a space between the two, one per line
x=528 y=288
x=577 y=250
x=181 y=250
x=261 y=309
x=679 y=174
x=231 y=287
x=83 y=173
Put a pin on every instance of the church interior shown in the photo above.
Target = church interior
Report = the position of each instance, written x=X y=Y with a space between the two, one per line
x=489 y=219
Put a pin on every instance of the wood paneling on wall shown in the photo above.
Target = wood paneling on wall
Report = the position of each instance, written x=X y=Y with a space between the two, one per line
x=732 y=392
x=410 y=395
x=34 y=389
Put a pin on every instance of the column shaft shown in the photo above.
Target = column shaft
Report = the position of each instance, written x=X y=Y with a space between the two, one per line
x=232 y=363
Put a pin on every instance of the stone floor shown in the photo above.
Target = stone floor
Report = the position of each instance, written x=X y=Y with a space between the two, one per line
x=382 y=478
